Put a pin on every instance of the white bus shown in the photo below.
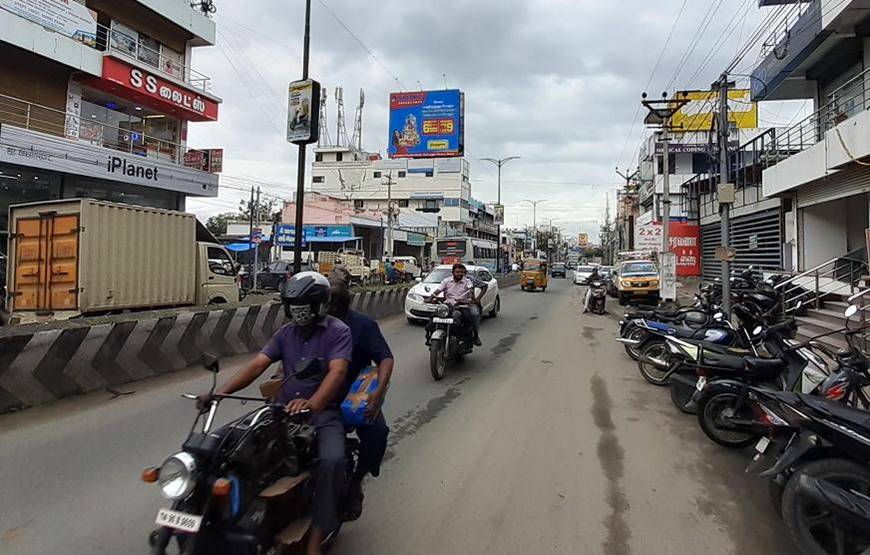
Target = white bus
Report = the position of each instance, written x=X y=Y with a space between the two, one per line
x=450 y=250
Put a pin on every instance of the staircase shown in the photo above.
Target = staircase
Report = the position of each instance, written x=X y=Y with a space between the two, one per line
x=828 y=318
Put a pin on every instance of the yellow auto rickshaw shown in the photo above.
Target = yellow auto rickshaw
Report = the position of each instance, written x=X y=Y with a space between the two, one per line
x=534 y=275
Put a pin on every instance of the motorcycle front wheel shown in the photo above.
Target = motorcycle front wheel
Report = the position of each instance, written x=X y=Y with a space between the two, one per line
x=437 y=359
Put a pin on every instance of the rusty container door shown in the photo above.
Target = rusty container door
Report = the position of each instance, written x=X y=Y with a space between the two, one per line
x=46 y=269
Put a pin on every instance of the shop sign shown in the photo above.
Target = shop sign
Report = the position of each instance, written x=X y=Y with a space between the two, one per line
x=71 y=19
x=159 y=89
x=39 y=150
x=416 y=239
x=209 y=160
x=684 y=239
x=286 y=233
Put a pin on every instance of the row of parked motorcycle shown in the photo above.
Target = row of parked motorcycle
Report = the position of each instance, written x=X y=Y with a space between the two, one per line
x=802 y=405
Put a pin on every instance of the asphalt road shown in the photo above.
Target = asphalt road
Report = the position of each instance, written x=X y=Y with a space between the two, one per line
x=546 y=440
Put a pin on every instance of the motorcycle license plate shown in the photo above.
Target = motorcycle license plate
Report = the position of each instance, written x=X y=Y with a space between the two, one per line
x=762 y=445
x=702 y=383
x=178 y=520
x=443 y=320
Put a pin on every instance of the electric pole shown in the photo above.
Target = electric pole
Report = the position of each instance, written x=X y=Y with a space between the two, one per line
x=255 y=214
x=251 y=236
x=300 y=168
x=725 y=189
x=499 y=163
x=390 y=214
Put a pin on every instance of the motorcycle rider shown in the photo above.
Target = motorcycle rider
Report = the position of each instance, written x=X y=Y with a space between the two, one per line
x=311 y=334
x=459 y=290
x=593 y=277
x=369 y=346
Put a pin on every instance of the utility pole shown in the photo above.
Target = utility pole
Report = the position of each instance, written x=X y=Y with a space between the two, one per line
x=725 y=189
x=666 y=189
x=251 y=236
x=534 y=204
x=499 y=163
x=255 y=213
x=300 y=168
x=390 y=214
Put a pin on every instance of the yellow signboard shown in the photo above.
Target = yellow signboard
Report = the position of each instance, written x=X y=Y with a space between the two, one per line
x=702 y=107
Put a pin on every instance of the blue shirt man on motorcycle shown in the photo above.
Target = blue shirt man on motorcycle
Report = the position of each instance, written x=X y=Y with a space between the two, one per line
x=311 y=335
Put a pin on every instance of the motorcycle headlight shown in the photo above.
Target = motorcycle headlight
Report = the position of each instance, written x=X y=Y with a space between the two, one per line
x=442 y=311
x=176 y=476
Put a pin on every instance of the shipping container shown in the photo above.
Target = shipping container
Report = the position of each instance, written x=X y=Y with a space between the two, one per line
x=81 y=256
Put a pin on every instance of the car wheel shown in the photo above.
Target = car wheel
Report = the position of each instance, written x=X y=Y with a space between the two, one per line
x=496 y=306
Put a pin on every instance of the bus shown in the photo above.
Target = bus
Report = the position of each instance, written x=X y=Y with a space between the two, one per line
x=450 y=250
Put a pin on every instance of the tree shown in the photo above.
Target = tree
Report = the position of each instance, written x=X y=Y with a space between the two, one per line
x=607 y=235
x=218 y=224
x=266 y=209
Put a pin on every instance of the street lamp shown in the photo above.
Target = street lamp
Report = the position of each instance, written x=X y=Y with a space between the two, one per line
x=499 y=162
x=534 y=204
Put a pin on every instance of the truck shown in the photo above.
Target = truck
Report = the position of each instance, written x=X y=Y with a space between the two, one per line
x=76 y=257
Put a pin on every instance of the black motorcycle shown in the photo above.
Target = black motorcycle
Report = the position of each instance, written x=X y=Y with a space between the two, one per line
x=448 y=337
x=245 y=487
x=815 y=453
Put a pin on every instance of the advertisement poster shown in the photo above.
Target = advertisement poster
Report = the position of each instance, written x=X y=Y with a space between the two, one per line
x=426 y=124
x=70 y=19
x=303 y=105
x=685 y=240
x=698 y=114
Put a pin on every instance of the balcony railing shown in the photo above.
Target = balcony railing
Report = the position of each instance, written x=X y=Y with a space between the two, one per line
x=779 y=36
x=35 y=117
x=117 y=42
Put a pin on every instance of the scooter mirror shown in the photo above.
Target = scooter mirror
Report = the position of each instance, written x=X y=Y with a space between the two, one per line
x=851 y=311
x=211 y=362
x=757 y=330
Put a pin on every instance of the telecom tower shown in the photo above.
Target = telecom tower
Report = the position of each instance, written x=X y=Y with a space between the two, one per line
x=323 y=139
x=341 y=130
x=356 y=140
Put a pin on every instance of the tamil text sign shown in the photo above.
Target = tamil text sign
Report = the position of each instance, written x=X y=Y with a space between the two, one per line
x=684 y=239
x=698 y=113
x=426 y=124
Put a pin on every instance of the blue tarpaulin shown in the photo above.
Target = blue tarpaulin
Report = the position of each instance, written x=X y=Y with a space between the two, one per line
x=239 y=247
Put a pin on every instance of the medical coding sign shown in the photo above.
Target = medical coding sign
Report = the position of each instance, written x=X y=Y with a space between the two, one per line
x=426 y=124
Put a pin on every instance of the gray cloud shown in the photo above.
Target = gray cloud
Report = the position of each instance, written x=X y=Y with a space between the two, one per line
x=556 y=81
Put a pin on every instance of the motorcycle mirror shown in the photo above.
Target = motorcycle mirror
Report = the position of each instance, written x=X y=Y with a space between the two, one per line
x=851 y=311
x=718 y=316
x=757 y=330
x=211 y=362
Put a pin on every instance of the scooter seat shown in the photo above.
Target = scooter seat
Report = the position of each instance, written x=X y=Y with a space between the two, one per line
x=858 y=417
x=760 y=365
x=722 y=360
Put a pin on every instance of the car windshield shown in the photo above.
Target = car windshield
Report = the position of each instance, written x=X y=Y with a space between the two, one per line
x=559 y=266
x=638 y=269
x=438 y=275
x=584 y=269
x=532 y=266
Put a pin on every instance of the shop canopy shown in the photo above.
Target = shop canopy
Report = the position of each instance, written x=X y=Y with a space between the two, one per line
x=331 y=239
x=239 y=247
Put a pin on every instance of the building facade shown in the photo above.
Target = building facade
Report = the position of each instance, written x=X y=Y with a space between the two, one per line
x=95 y=101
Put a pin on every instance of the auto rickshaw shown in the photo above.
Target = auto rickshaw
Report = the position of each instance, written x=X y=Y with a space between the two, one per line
x=534 y=275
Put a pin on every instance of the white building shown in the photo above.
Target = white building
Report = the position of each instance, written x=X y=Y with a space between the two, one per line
x=435 y=186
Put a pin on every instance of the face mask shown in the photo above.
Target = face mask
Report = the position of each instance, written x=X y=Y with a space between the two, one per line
x=301 y=315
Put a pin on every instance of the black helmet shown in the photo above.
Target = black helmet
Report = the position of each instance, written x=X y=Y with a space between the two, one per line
x=306 y=288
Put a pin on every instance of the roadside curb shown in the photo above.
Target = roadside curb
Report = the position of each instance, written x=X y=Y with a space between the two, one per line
x=38 y=367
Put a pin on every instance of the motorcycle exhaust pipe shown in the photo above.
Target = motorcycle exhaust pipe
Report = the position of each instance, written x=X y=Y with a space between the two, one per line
x=658 y=362
x=632 y=342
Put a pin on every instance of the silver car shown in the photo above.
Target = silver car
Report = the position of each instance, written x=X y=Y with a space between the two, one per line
x=581 y=274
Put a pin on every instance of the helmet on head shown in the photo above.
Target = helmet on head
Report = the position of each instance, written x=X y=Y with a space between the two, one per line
x=305 y=289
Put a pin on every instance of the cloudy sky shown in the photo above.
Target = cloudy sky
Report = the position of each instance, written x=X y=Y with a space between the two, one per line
x=557 y=82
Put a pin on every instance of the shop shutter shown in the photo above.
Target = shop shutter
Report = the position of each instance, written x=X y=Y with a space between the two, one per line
x=757 y=238
x=845 y=183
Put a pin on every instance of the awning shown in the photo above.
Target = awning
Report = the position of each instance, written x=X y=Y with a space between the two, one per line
x=331 y=239
x=239 y=247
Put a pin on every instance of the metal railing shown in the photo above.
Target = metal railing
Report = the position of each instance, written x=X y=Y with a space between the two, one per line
x=837 y=276
x=117 y=42
x=780 y=34
x=35 y=117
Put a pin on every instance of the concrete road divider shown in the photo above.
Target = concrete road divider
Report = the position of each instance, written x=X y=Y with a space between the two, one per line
x=40 y=365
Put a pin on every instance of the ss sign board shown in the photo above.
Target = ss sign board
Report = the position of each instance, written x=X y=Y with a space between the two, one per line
x=303 y=112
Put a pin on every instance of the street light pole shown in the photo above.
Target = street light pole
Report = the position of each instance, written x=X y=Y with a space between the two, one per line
x=499 y=162
x=300 y=169
x=534 y=204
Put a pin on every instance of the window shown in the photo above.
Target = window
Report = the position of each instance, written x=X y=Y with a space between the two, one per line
x=451 y=202
x=339 y=157
x=376 y=175
x=358 y=204
x=403 y=203
x=700 y=162
x=318 y=157
x=672 y=164
x=318 y=179
x=484 y=275
x=220 y=263
x=401 y=173
x=149 y=50
x=430 y=204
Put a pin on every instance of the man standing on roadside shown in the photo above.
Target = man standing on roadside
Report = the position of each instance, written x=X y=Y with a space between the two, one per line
x=369 y=347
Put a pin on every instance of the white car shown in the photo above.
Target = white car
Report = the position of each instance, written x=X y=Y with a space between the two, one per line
x=416 y=310
x=581 y=275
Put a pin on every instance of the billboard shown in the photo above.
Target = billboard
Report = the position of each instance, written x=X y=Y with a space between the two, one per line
x=71 y=19
x=685 y=240
x=698 y=114
x=303 y=112
x=426 y=124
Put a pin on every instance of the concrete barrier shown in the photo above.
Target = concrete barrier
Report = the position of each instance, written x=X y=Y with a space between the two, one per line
x=40 y=366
